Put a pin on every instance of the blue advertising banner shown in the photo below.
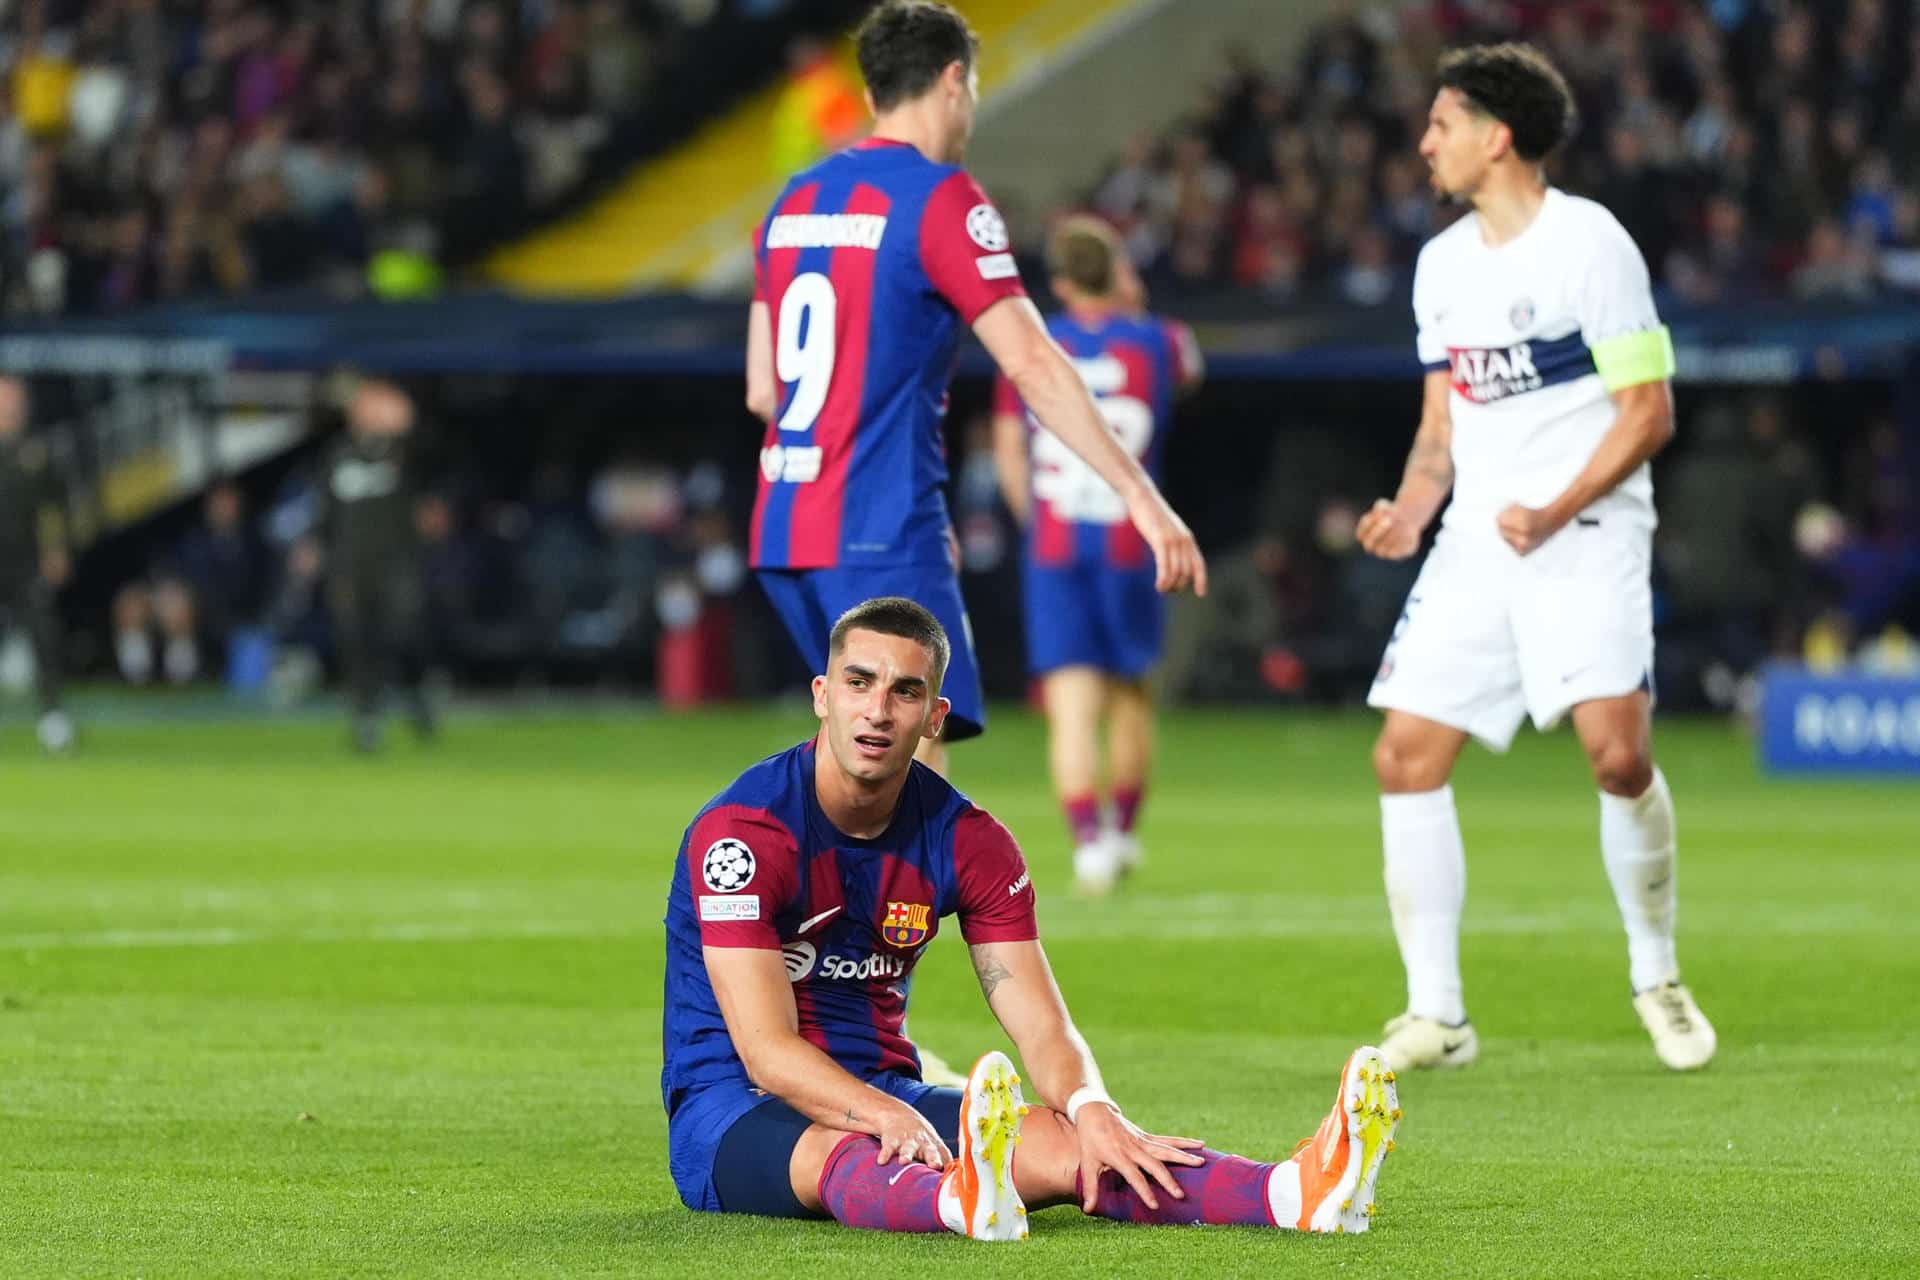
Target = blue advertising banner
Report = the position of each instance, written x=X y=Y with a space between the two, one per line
x=1844 y=722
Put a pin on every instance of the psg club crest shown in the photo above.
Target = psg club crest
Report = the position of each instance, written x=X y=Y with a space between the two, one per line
x=906 y=924
x=1520 y=315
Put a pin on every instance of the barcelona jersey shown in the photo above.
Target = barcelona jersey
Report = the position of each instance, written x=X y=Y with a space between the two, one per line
x=1134 y=366
x=762 y=867
x=871 y=265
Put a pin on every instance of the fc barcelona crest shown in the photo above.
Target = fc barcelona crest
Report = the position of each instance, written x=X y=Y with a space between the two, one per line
x=906 y=924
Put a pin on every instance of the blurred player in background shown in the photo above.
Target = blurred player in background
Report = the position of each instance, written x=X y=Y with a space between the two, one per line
x=803 y=897
x=1547 y=392
x=865 y=271
x=373 y=560
x=33 y=557
x=1093 y=618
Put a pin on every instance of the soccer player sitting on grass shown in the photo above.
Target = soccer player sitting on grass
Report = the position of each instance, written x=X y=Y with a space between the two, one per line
x=802 y=898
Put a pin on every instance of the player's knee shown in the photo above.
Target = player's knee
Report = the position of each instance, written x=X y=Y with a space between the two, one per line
x=1621 y=768
x=1401 y=766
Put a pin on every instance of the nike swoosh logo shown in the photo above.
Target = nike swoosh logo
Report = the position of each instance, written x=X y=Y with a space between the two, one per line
x=1448 y=1046
x=811 y=921
x=1577 y=671
x=896 y=1177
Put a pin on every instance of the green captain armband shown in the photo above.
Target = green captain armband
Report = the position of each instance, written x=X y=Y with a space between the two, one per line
x=1634 y=358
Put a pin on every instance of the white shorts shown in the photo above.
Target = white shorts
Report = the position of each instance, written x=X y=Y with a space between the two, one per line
x=1489 y=637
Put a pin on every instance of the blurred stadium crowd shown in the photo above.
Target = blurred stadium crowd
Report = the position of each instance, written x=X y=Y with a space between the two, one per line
x=1752 y=148
x=157 y=150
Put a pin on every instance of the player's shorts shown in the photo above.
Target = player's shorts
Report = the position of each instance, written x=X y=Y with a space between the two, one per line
x=1489 y=637
x=730 y=1145
x=810 y=601
x=1088 y=616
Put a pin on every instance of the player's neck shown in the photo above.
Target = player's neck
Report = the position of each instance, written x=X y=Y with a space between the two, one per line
x=1091 y=315
x=1507 y=203
x=855 y=807
x=915 y=127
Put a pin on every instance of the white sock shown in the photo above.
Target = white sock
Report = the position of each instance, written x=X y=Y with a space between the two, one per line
x=949 y=1206
x=134 y=652
x=1283 y=1193
x=1426 y=872
x=1636 y=842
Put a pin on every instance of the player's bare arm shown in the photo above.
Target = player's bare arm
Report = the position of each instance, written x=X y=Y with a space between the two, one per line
x=1014 y=335
x=1011 y=464
x=1642 y=425
x=1018 y=983
x=1392 y=529
x=756 y=1000
x=763 y=393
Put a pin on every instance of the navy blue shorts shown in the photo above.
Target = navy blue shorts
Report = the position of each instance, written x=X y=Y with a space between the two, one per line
x=731 y=1146
x=1086 y=616
x=810 y=601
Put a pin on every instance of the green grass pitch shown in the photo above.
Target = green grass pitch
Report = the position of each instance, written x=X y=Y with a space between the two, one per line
x=268 y=1009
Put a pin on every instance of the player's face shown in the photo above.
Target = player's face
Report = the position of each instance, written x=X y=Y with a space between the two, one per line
x=878 y=701
x=1456 y=145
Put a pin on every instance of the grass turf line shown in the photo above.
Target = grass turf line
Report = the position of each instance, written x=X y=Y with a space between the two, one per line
x=449 y=959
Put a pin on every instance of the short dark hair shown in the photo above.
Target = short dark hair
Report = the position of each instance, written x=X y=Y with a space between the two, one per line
x=1516 y=85
x=896 y=616
x=904 y=45
x=1084 y=251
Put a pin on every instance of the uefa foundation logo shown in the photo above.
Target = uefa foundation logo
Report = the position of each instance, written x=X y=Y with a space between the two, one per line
x=1520 y=315
x=728 y=866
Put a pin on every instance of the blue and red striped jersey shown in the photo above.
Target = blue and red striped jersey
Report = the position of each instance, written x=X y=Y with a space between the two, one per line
x=762 y=867
x=871 y=264
x=1134 y=365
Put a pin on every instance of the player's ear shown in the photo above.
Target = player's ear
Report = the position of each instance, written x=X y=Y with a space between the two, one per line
x=820 y=697
x=938 y=720
x=867 y=96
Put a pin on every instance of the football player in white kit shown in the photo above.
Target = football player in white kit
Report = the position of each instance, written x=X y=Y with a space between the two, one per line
x=1546 y=393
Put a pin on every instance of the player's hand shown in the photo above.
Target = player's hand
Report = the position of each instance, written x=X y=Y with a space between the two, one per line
x=1108 y=1140
x=906 y=1136
x=1385 y=533
x=1176 y=556
x=1525 y=528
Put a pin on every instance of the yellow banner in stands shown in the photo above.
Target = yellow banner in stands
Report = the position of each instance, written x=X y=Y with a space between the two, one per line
x=667 y=224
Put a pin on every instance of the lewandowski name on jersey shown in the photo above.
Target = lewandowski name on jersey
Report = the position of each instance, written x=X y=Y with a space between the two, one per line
x=871 y=265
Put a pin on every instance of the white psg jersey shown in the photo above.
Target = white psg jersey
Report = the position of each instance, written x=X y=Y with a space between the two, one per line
x=1516 y=326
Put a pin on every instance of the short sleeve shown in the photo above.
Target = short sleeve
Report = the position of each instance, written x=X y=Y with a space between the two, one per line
x=1183 y=349
x=1428 y=340
x=743 y=870
x=965 y=249
x=1006 y=400
x=996 y=893
x=1616 y=296
x=760 y=264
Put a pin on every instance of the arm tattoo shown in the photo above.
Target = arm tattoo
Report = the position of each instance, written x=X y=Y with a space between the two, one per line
x=852 y=1118
x=990 y=971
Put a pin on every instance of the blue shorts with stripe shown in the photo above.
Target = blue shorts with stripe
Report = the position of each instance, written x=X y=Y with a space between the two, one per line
x=810 y=601
x=1090 y=616
x=729 y=1145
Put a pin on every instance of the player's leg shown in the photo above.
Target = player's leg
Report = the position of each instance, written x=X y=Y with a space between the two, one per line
x=42 y=616
x=1136 y=631
x=1637 y=844
x=1328 y=1183
x=1073 y=698
x=839 y=1174
x=1129 y=762
x=1450 y=672
x=1425 y=869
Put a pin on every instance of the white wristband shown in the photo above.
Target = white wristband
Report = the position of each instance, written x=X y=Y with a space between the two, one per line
x=1081 y=1097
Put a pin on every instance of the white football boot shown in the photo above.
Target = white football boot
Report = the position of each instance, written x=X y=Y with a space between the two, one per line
x=56 y=733
x=1413 y=1042
x=1329 y=1183
x=1128 y=856
x=1682 y=1036
x=1096 y=868
x=977 y=1195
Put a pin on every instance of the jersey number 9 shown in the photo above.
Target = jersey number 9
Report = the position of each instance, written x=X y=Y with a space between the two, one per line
x=806 y=361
